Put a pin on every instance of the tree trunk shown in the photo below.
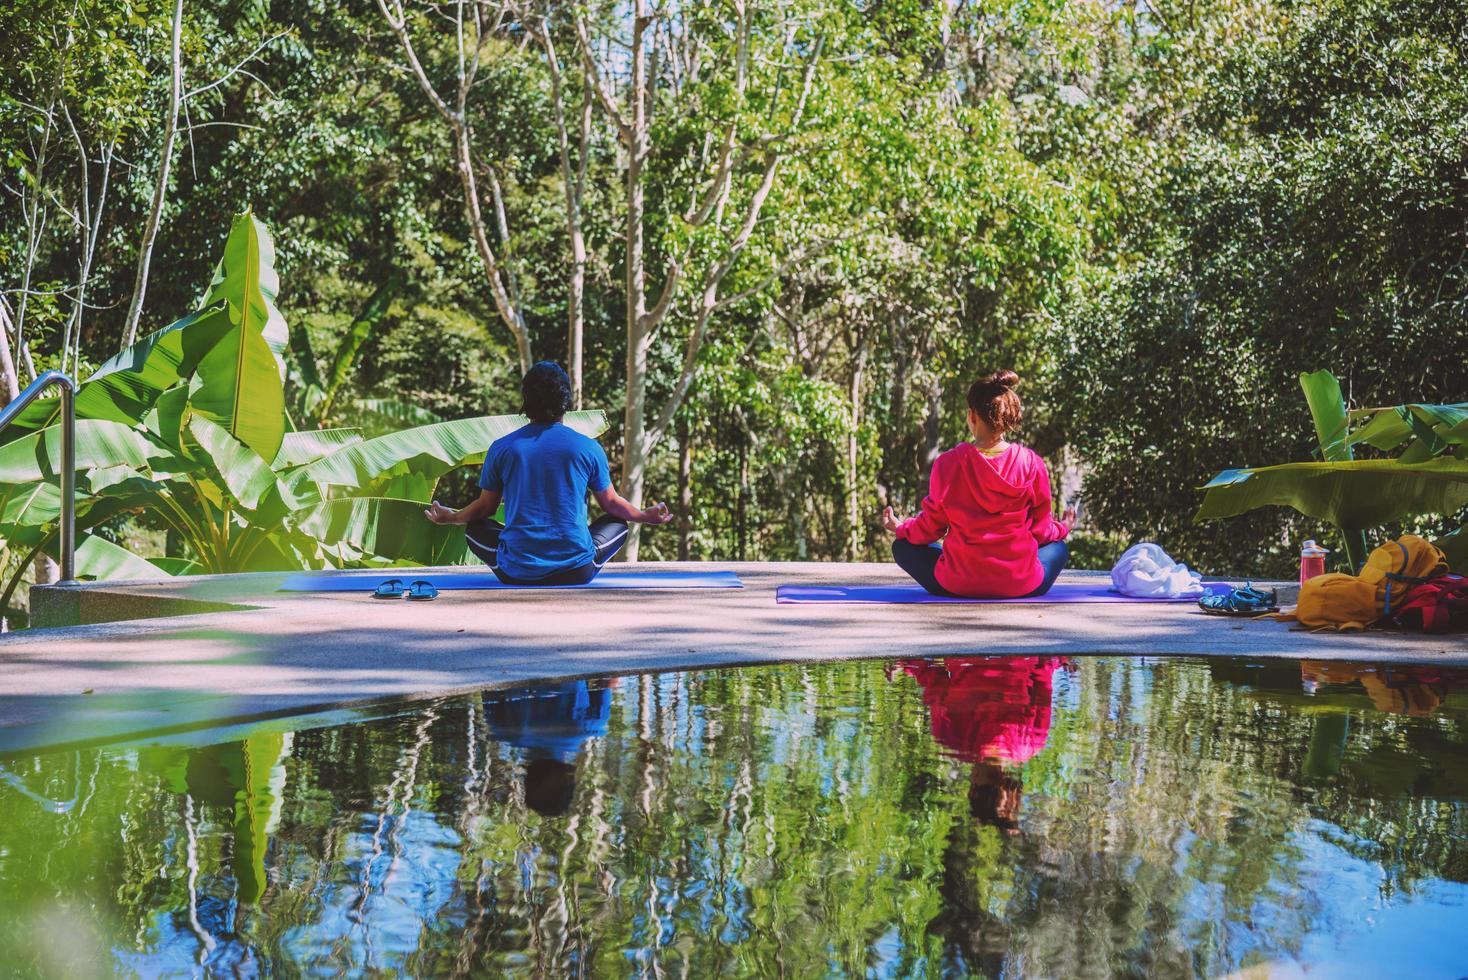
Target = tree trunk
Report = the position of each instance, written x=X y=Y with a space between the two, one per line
x=634 y=420
x=743 y=510
x=46 y=570
x=155 y=213
x=9 y=391
x=933 y=427
x=894 y=460
x=35 y=223
x=9 y=380
x=573 y=181
x=456 y=116
x=797 y=524
x=90 y=233
x=853 y=498
x=475 y=215
x=575 y=317
x=685 y=489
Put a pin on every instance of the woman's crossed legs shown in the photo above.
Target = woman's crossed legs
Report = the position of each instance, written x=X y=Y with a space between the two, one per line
x=921 y=562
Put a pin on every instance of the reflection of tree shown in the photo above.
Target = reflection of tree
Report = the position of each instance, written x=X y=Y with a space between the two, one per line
x=246 y=777
x=794 y=820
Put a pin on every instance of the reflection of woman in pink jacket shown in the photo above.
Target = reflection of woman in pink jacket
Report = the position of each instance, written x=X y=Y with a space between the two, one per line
x=992 y=712
x=989 y=504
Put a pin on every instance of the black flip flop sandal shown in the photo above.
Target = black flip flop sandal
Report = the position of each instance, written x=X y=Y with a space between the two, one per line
x=391 y=589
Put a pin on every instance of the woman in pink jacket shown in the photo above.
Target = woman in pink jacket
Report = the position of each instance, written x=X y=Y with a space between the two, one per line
x=989 y=505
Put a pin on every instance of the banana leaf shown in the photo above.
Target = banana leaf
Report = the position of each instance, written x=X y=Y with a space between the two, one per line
x=29 y=518
x=309 y=445
x=385 y=527
x=429 y=451
x=1429 y=429
x=240 y=382
x=1328 y=411
x=403 y=486
x=245 y=279
x=244 y=474
x=306 y=375
x=27 y=505
x=250 y=481
x=177 y=566
x=167 y=418
x=99 y=444
x=1454 y=545
x=127 y=385
x=1357 y=493
x=98 y=558
x=276 y=549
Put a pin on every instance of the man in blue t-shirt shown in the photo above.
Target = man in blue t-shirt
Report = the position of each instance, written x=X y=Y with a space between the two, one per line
x=542 y=471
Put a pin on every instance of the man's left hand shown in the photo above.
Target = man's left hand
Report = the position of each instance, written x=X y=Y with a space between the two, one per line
x=439 y=514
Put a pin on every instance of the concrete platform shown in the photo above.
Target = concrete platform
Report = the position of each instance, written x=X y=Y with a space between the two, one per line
x=262 y=653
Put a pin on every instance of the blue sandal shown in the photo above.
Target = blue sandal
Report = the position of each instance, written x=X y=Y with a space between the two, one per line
x=391 y=589
x=421 y=591
x=1243 y=601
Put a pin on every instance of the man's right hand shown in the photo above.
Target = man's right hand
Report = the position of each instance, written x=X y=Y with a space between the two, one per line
x=656 y=514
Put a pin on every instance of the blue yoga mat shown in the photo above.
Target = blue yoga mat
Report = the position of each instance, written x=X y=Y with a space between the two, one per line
x=609 y=579
x=1097 y=591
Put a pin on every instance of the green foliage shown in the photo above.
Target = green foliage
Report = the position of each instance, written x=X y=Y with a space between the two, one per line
x=1314 y=216
x=1428 y=478
x=1159 y=215
x=183 y=417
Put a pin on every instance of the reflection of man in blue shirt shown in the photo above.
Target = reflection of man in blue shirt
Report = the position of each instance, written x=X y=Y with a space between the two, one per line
x=550 y=722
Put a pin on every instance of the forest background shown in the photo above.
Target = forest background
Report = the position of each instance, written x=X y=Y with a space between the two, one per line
x=811 y=222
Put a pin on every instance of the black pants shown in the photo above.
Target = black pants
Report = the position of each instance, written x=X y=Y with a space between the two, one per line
x=607 y=535
x=921 y=561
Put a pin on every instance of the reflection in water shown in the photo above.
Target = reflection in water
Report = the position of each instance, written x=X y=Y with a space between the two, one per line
x=1403 y=689
x=995 y=713
x=969 y=815
x=551 y=723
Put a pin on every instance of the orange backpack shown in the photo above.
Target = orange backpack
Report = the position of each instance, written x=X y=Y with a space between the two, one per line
x=1354 y=602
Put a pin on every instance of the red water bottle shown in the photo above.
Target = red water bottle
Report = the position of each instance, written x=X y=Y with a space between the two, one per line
x=1312 y=561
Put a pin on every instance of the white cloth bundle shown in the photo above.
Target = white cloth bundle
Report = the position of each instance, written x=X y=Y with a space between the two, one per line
x=1147 y=570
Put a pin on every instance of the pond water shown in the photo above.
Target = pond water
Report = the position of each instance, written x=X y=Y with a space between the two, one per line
x=961 y=816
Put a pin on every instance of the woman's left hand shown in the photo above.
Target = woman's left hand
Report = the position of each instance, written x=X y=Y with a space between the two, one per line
x=890 y=520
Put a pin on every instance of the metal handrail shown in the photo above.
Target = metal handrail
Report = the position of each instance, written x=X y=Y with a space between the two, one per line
x=68 y=457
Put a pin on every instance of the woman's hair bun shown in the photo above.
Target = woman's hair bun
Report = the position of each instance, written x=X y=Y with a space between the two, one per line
x=993 y=398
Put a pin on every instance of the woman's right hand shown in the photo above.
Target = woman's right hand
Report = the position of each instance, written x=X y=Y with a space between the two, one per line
x=890 y=520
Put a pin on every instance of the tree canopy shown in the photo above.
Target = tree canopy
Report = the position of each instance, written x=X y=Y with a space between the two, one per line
x=775 y=241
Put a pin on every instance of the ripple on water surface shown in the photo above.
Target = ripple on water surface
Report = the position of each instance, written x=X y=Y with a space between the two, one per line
x=1016 y=816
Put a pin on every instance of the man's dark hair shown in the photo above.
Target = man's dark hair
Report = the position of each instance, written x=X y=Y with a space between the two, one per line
x=546 y=392
x=550 y=786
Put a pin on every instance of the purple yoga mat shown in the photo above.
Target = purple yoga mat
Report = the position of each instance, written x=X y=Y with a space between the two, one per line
x=1094 y=591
